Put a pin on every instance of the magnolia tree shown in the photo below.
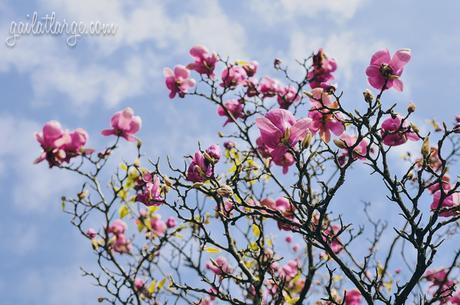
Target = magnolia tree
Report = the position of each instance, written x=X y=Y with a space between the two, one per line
x=249 y=220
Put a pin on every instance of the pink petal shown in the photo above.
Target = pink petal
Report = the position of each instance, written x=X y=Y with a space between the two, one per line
x=381 y=57
x=181 y=71
x=398 y=85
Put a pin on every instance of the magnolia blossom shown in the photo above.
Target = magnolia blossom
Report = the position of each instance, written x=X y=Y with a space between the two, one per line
x=279 y=130
x=283 y=206
x=330 y=235
x=199 y=169
x=353 y=297
x=158 y=226
x=117 y=227
x=213 y=152
x=91 y=233
x=149 y=191
x=450 y=205
x=268 y=87
x=440 y=282
x=234 y=108
x=385 y=70
x=233 y=76
x=289 y=270
x=347 y=141
x=171 y=222
x=219 y=266
x=321 y=74
x=120 y=243
x=205 y=62
x=60 y=145
x=396 y=131
x=287 y=96
x=178 y=81
x=124 y=124
x=250 y=67
x=139 y=284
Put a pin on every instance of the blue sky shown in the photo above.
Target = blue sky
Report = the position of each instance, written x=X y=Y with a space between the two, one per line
x=42 y=78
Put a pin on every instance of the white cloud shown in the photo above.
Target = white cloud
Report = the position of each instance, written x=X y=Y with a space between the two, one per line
x=283 y=10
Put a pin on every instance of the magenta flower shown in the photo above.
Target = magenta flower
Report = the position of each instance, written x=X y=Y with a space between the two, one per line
x=120 y=243
x=250 y=67
x=124 y=124
x=234 y=107
x=199 y=169
x=353 y=297
x=233 y=76
x=395 y=131
x=60 y=145
x=158 y=225
x=324 y=119
x=205 y=62
x=282 y=157
x=178 y=81
x=139 y=284
x=213 y=151
x=385 y=70
x=219 y=266
x=287 y=96
x=279 y=128
x=149 y=191
x=171 y=222
x=449 y=205
x=359 y=151
x=321 y=74
x=330 y=235
x=268 y=87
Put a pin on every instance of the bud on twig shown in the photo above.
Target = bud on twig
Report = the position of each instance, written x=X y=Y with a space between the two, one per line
x=340 y=143
x=368 y=97
x=411 y=107
x=426 y=147
x=224 y=191
x=414 y=128
x=307 y=140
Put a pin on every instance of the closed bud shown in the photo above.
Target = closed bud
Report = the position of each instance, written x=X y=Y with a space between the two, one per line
x=415 y=128
x=220 y=134
x=457 y=129
x=139 y=144
x=426 y=147
x=340 y=143
x=411 y=107
x=307 y=140
x=368 y=97
x=224 y=191
x=277 y=63
x=137 y=162
x=82 y=195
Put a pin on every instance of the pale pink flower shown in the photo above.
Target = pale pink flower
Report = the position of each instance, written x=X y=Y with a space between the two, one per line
x=118 y=227
x=385 y=70
x=219 y=266
x=289 y=271
x=122 y=244
x=233 y=107
x=233 y=76
x=353 y=297
x=268 y=87
x=178 y=81
x=213 y=151
x=124 y=124
x=91 y=233
x=330 y=235
x=395 y=131
x=139 y=284
x=287 y=96
x=359 y=151
x=205 y=62
x=158 y=225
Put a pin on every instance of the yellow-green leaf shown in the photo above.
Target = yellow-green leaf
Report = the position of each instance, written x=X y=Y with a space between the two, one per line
x=212 y=250
x=256 y=230
x=123 y=211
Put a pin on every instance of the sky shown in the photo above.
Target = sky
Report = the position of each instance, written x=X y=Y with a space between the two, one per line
x=42 y=78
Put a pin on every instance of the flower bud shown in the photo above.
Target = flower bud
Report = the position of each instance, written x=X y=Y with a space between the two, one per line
x=307 y=140
x=411 y=107
x=414 y=128
x=82 y=195
x=368 y=97
x=426 y=147
x=457 y=118
x=224 y=191
x=340 y=143
x=277 y=63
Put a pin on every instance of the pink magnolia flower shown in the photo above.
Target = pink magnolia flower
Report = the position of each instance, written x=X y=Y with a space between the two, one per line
x=219 y=266
x=149 y=191
x=250 y=67
x=321 y=74
x=268 y=87
x=283 y=158
x=449 y=205
x=205 y=62
x=279 y=128
x=234 y=107
x=289 y=271
x=385 y=70
x=227 y=208
x=439 y=281
x=359 y=151
x=395 y=131
x=213 y=151
x=455 y=299
x=122 y=244
x=199 y=169
x=158 y=225
x=445 y=184
x=124 y=124
x=286 y=209
x=60 y=145
x=330 y=235
x=171 y=222
x=178 y=81
x=118 y=227
x=233 y=76
x=287 y=96
x=353 y=297
x=91 y=233
x=251 y=88
x=139 y=284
